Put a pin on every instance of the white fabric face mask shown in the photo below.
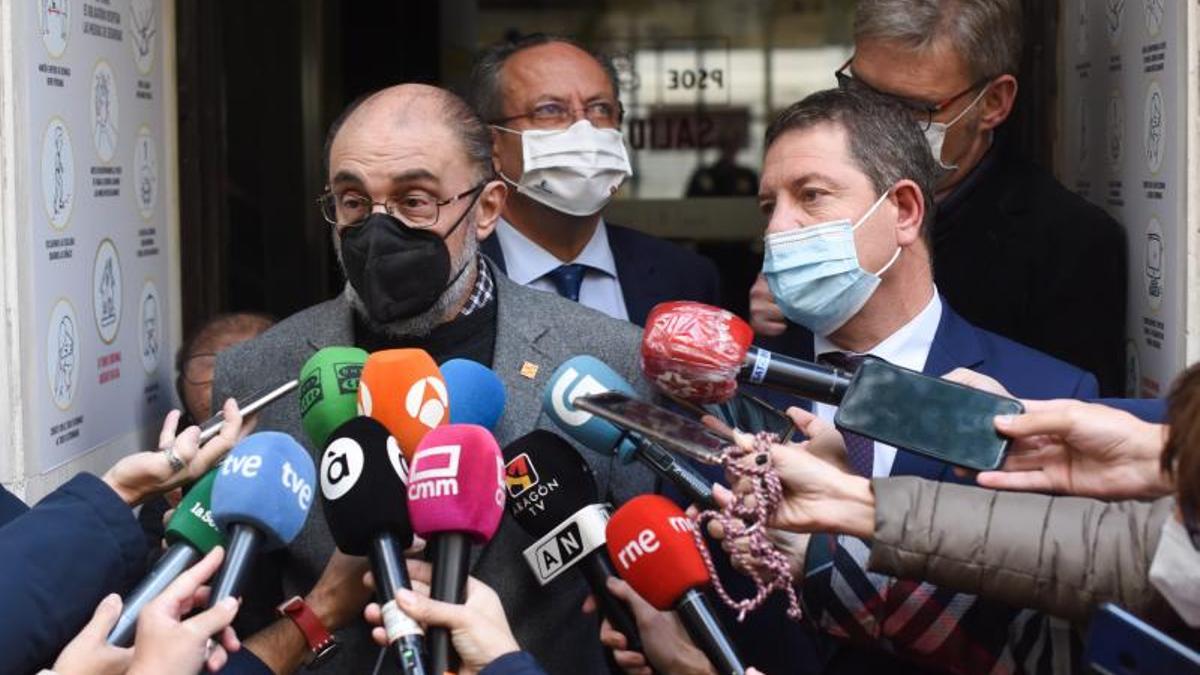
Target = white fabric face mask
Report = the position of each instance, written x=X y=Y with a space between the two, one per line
x=1175 y=571
x=574 y=170
x=936 y=133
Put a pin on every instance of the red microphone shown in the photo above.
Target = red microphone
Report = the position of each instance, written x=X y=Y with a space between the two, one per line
x=698 y=353
x=653 y=545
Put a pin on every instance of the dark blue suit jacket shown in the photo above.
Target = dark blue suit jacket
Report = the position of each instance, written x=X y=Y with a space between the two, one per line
x=651 y=270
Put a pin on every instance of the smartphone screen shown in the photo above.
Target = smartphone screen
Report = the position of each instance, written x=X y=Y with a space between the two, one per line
x=1119 y=642
x=670 y=430
x=934 y=417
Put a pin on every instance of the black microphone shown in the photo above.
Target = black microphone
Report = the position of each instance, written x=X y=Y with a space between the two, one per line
x=553 y=497
x=802 y=378
x=364 y=498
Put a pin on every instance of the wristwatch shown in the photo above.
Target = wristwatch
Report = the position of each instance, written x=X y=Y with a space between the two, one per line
x=321 y=643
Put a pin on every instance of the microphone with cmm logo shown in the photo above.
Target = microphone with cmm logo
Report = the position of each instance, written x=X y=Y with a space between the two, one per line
x=329 y=391
x=363 y=495
x=191 y=534
x=552 y=495
x=455 y=498
x=403 y=389
x=260 y=499
x=476 y=393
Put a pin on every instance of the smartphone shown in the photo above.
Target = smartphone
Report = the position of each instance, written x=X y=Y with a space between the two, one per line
x=1119 y=643
x=947 y=421
x=255 y=402
x=666 y=428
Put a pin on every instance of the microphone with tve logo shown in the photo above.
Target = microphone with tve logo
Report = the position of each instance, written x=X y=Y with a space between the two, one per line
x=587 y=375
x=653 y=545
x=260 y=499
x=403 y=389
x=455 y=498
x=552 y=495
x=475 y=391
x=191 y=534
x=329 y=391
x=363 y=496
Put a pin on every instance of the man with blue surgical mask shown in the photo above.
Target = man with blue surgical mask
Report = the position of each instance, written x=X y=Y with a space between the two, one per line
x=555 y=116
x=1014 y=251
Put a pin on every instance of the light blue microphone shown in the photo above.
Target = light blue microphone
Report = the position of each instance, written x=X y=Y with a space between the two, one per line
x=475 y=391
x=261 y=499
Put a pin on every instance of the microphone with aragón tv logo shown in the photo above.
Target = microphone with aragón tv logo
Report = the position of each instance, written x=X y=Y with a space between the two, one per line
x=475 y=392
x=455 y=499
x=553 y=496
x=698 y=353
x=405 y=390
x=653 y=545
x=260 y=499
x=363 y=496
x=587 y=375
x=329 y=391
x=191 y=533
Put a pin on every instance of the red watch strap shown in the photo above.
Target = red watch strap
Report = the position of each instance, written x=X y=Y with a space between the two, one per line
x=315 y=633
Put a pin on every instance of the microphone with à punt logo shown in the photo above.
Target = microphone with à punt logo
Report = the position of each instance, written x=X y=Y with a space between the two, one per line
x=191 y=534
x=260 y=499
x=363 y=496
x=403 y=389
x=552 y=495
x=455 y=499
x=329 y=391
x=475 y=391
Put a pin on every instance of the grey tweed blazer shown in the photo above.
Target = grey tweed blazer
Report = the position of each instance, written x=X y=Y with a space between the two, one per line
x=532 y=327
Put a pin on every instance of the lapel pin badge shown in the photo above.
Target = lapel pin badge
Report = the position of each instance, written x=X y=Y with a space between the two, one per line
x=529 y=370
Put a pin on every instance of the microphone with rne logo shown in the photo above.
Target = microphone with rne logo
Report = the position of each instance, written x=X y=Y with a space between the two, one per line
x=476 y=393
x=587 y=375
x=455 y=498
x=403 y=389
x=329 y=391
x=552 y=495
x=191 y=534
x=363 y=496
x=654 y=547
x=260 y=499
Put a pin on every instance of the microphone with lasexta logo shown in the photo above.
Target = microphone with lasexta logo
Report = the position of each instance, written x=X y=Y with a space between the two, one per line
x=475 y=392
x=587 y=375
x=363 y=496
x=260 y=499
x=190 y=534
x=404 y=390
x=455 y=499
x=552 y=495
x=329 y=391
x=653 y=545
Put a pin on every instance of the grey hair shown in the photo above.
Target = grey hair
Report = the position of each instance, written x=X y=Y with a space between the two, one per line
x=884 y=140
x=487 y=95
x=987 y=33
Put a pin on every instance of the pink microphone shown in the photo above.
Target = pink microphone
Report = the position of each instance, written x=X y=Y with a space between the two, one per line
x=455 y=499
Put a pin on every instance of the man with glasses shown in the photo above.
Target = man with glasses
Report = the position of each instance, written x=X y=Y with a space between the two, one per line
x=411 y=193
x=1014 y=251
x=555 y=119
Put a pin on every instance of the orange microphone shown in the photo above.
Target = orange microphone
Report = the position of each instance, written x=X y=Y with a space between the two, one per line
x=403 y=389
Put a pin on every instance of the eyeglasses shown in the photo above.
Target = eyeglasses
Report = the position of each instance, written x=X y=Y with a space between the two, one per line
x=198 y=369
x=553 y=114
x=417 y=210
x=922 y=110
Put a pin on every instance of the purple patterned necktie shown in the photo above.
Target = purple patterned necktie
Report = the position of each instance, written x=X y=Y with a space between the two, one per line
x=860 y=450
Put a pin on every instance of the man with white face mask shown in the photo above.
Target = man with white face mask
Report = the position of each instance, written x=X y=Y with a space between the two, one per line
x=555 y=118
x=1014 y=251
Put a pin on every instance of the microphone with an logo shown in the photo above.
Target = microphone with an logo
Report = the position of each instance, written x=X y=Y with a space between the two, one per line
x=455 y=499
x=403 y=389
x=363 y=476
x=191 y=534
x=552 y=495
x=329 y=391
x=260 y=499
x=476 y=393
x=587 y=375
x=654 y=547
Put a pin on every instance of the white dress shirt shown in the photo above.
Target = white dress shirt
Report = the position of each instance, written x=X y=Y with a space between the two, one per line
x=908 y=348
x=528 y=264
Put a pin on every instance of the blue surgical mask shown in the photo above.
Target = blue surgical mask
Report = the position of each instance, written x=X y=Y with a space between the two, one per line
x=814 y=273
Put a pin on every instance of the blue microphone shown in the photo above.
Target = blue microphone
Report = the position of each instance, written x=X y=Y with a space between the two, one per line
x=475 y=391
x=261 y=499
x=587 y=375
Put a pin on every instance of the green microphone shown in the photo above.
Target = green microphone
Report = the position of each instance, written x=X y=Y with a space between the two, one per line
x=329 y=391
x=191 y=533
